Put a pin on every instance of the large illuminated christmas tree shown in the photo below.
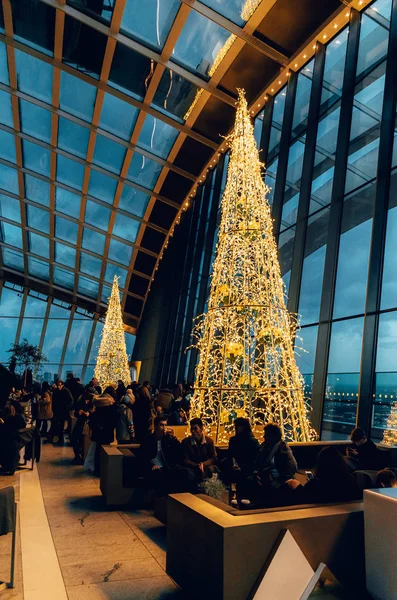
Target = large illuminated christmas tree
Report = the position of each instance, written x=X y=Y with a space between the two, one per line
x=247 y=365
x=390 y=433
x=112 y=359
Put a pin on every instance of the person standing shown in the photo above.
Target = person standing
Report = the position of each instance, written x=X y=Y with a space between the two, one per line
x=44 y=413
x=142 y=412
x=62 y=402
x=102 y=422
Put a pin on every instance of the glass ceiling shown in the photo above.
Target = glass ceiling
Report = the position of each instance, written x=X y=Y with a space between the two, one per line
x=93 y=98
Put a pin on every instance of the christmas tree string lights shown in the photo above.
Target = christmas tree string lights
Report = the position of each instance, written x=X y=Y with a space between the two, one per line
x=112 y=359
x=247 y=365
x=390 y=433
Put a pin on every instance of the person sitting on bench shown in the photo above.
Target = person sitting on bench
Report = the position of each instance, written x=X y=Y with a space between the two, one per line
x=161 y=458
x=362 y=453
x=199 y=455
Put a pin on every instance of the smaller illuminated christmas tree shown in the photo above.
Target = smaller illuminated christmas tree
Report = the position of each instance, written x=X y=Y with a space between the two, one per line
x=112 y=359
x=390 y=433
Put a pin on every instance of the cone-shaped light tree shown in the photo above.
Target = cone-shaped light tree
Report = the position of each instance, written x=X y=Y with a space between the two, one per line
x=390 y=433
x=247 y=365
x=112 y=359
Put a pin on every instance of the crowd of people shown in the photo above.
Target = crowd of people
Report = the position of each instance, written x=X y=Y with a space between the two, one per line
x=262 y=475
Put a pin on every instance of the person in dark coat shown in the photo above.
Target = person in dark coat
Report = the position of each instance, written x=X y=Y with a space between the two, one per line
x=74 y=387
x=62 y=402
x=142 y=412
x=199 y=455
x=82 y=412
x=11 y=423
x=102 y=422
x=120 y=391
x=94 y=384
x=274 y=465
x=242 y=452
x=332 y=481
x=161 y=458
x=362 y=453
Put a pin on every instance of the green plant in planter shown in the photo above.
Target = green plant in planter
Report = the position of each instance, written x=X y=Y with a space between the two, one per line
x=26 y=355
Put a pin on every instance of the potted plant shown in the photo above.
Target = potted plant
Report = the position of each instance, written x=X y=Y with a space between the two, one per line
x=26 y=355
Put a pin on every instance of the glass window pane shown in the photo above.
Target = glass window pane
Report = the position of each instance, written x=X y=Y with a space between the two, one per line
x=83 y=47
x=102 y=11
x=102 y=187
x=97 y=215
x=305 y=353
x=38 y=219
x=302 y=98
x=365 y=129
x=5 y=108
x=8 y=333
x=174 y=95
x=90 y=265
x=67 y=202
x=277 y=121
x=35 y=121
x=334 y=69
x=157 y=137
x=386 y=373
x=77 y=97
x=285 y=250
x=34 y=76
x=95 y=342
x=354 y=247
x=108 y=154
x=35 y=307
x=130 y=71
x=66 y=230
x=313 y=268
x=36 y=158
x=324 y=160
x=293 y=182
x=120 y=252
x=64 y=278
x=10 y=208
x=94 y=241
x=106 y=291
x=12 y=259
x=118 y=117
x=199 y=43
x=87 y=287
x=38 y=268
x=73 y=138
x=7 y=146
x=65 y=255
x=126 y=228
x=374 y=37
x=143 y=171
x=78 y=339
x=8 y=179
x=112 y=270
x=39 y=245
x=34 y=25
x=133 y=201
x=343 y=377
x=70 y=172
x=155 y=20
x=10 y=303
x=12 y=235
x=31 y=330
x=55 y=338
x=37 y=190
x=4 y=78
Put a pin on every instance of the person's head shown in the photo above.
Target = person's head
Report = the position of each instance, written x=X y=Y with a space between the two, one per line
x=120 y=383
x=60 y=384
x=146 y=384
x=272 y=434
x=196 y=428
x=160 y=426
x=70 y=376
x=242 y=426
x=331 y=466
x=386 y=478
x=358 y=436
x=129 y=396
x=94 y=381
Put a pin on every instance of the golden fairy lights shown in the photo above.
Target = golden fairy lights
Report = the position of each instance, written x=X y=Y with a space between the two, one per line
x=112 y=360
x=246 y=362
x=390 y=433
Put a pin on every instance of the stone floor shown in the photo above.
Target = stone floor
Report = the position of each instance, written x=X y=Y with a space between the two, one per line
x=72 y=547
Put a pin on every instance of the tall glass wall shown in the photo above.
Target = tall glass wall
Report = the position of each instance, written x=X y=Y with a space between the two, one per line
x=68 y=336
x=327 y=134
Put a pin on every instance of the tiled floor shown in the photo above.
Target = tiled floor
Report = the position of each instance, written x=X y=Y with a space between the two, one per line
x=96 y=554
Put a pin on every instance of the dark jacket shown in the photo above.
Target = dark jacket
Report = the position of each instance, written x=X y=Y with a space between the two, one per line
x=243 y=449
x=102 y=421
x=368 y=455
x=284 y=460
x=195 y=454
x=62 y=402
x=322 y=491
x=170 y=446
